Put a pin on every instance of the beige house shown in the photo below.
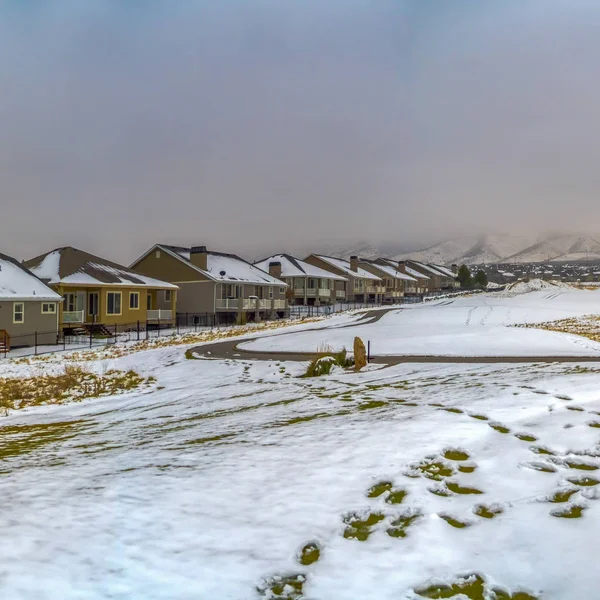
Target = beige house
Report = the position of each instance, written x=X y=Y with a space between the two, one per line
x=440 y=278
x=98 y=293
x=28 y=307
x=361 y=285
x=215 y=283
x=421 y=282
x=397 y=284
x=307 y=284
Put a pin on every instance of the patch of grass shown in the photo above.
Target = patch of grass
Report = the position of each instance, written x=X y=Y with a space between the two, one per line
x=594 y=424
x=467 y=468
x=398 y=527
x=379 y=488
x=584 y=481
x=572 y=512
x=526 y=437
x=360 y=527
x=455 y=454
x=473 y=587
x=479 y=417
x=541 y=467
x=431 y=469
x=561 y=496
x=396 y=497
x=455 y=487
x=457 y=411
x=488 y=512
x=309 y=554
x=541 y=450
x=576 y=408
x=499 y=427
x=454 y=523
x=573 y=464
x=326 y=360
x=74 y=383
x=283 y=587
x=372 y=404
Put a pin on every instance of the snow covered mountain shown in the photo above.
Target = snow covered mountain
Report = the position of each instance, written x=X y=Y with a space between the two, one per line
x=472 y=250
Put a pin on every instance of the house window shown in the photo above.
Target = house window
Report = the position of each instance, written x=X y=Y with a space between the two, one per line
x=359 y=284
x=282 y=290
x=311 y=283
x=134 y=300
x=18 y=312
x=48 y=308
x=149 y=301
x=157 y=254
x=167 y=295
x=270 y=292
x=113 y=303
x=69 y=302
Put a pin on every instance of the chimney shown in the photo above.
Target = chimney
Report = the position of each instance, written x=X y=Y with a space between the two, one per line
x=402 y=266
x=199 y=257
x=455 y=269
x=354 y=263
x=275 y=269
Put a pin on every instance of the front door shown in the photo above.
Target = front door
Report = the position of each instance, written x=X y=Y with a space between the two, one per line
x=93 y=306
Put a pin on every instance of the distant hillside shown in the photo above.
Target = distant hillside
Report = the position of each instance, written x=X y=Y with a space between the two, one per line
x=473 y=250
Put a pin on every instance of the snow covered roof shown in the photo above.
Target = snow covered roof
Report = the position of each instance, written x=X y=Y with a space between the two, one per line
x=444 y=270
x=344 y=266
x=414 y=274
x=294 y=267
x=433 y=269
x=389 y=270
x=226 y=268
x=18 y=283
x=69 y=266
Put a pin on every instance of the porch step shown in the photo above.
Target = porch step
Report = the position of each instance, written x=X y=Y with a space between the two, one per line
x=98 y=329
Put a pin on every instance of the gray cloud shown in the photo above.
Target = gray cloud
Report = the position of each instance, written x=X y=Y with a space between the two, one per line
x=270 y=125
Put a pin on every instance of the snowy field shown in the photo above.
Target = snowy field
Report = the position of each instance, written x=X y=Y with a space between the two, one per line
x=470 y=326
x=209 y=485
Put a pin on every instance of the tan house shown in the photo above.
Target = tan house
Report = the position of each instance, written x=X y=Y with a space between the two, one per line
x=215 y=283
x=421 y=282
x=307 y=284
x=361 y=285
x=28 y=307
x=440 y=278
x=98 y=293
x=397 y=284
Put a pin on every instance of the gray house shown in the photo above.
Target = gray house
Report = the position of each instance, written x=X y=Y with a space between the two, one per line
x=308 y=284
x=215 y=283
x=28 y=308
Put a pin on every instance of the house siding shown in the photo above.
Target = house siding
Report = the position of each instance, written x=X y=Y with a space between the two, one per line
x=23 y=334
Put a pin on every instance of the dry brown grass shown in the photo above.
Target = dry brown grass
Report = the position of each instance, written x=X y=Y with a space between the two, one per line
x=74 y=383
x=587 y=326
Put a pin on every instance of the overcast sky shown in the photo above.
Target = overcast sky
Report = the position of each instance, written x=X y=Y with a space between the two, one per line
x=259 y=125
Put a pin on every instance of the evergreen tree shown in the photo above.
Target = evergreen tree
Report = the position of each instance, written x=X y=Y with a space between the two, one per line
x=464 y=277
x=480 y=279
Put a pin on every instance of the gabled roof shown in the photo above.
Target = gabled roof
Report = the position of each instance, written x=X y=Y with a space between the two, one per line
x=70 y=266
x=344 y=266
x=444 y=271
x=409 y=271
x=18 y=283
x=429 y=268
x=294 y=267
x=225 y=268
x=389 y=270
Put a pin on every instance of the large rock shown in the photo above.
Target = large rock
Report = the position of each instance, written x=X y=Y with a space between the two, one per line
x=360 y=354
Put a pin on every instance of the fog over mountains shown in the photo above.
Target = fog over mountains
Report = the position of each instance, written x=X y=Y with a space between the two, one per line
x=472 y=250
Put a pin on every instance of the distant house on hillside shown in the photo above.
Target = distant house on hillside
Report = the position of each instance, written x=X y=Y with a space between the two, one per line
x=215 y=283
x=397 y=283
x=98 y=293
x=308 y=284
x=362 y=285
x=28 y=307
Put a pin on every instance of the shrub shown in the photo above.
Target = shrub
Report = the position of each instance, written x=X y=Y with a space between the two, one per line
x=324 y=362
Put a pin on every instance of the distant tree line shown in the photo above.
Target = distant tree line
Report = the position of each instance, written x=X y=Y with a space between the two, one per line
x=467 y=281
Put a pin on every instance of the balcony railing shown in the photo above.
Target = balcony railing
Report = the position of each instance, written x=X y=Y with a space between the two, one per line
x=340 y=294
x=370 y=289
x=248 y=303
x=159 y=315
x=73 y=316
x=324 y=292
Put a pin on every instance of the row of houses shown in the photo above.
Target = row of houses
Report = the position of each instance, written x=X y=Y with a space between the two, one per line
x=73 y=291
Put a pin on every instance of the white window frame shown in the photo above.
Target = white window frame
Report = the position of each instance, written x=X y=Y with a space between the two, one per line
x=167 y=295
x=114 y=314
x=20 y=312
x=134 y=295
x=282 y=290
x=48 y=308
x=271 y=293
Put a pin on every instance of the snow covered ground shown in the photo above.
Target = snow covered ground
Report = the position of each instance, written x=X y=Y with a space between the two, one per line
x=469 y=326
x=208 y=485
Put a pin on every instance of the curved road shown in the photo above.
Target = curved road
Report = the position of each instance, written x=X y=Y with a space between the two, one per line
x=228 y=349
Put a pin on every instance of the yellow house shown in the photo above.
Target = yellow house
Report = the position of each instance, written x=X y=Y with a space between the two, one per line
x=97 y=292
